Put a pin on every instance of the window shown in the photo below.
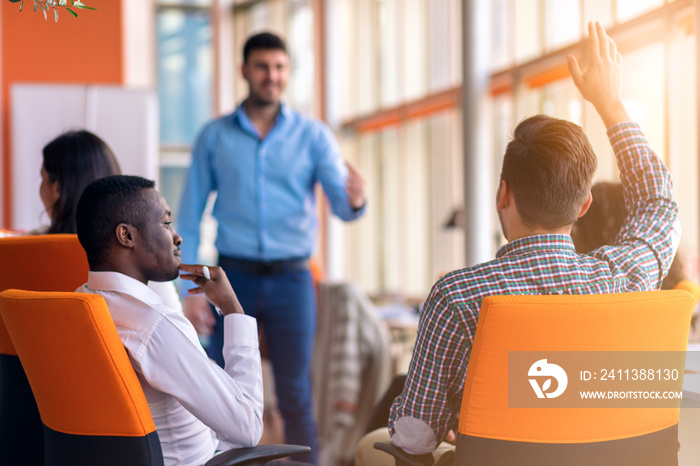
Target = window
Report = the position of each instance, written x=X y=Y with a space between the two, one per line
x=400 y=66
x=293 y=20
x=656 y=38
x=184 y=73
x=186 y=95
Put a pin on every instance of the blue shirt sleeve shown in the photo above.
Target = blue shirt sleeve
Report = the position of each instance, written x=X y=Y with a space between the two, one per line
x=332 y=173
x=199 y=183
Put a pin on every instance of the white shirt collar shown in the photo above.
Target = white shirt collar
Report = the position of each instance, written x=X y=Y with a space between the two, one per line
x=116 y=281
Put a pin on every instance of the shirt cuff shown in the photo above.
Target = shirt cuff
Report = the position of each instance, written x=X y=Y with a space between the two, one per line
x=414 y=436
x=362 y=207
x=240 y=330
x=359 y=212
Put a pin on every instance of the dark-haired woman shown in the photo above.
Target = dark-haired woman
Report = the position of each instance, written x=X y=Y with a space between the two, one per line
x=72 y=161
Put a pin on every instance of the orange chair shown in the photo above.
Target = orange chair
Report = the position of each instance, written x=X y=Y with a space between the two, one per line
x=91 y=403
x=40 y=263
x=493 y=433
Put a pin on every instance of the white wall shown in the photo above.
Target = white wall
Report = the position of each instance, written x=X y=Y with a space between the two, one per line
x=126 y=119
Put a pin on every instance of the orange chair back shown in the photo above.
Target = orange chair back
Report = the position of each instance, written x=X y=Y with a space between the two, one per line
x=41 y=263
x=85 y=387
x=645 y=321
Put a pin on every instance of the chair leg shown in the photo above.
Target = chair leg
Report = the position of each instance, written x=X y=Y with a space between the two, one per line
x=402 y=458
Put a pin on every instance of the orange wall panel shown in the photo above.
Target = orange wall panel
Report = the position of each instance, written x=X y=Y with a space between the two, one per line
x=87 y=49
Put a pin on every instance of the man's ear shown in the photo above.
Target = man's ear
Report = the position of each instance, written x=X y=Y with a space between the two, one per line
x=503 y=196
x=125 y=235
x=244 y=71
x=586 y=205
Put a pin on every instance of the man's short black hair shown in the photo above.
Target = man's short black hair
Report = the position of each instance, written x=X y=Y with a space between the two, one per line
x=263 y=41
x=105 y=204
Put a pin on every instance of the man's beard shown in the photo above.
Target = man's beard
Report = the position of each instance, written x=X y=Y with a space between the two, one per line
x=259 y=101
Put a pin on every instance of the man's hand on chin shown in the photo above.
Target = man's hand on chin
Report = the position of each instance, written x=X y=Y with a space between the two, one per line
x=213 y=283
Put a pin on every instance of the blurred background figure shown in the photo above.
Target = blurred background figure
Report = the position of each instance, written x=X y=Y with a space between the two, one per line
x=601 y=224
x=72 y=161
x=264 y=161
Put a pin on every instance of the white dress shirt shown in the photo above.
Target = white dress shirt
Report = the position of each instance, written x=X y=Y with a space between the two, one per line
x=194 y=402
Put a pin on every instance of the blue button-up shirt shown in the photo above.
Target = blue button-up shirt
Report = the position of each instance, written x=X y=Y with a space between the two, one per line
x=266 y=207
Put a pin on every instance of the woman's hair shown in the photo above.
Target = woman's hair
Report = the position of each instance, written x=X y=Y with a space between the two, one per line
x=601 y=224
x=74 y=160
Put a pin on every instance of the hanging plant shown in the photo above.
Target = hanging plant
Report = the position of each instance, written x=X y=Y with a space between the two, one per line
x=44 y=6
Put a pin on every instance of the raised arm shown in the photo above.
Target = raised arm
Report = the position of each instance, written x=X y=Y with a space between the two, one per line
x=198 y=185
x=648 y=238
x=342 y=183
x=601 y=82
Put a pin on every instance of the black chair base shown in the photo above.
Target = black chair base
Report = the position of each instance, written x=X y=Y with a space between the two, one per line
x=402 y=458
x=256 y=456
x=655 y=449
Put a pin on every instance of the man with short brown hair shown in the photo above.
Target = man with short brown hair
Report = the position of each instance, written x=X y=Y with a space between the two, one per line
x=544 y=188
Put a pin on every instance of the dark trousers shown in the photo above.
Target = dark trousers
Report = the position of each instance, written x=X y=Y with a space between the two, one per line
x=285 y=306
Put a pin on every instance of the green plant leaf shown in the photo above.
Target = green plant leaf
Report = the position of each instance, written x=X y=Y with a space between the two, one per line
x=44 y=6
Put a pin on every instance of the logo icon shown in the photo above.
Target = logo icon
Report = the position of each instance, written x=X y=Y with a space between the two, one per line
x=542 y=369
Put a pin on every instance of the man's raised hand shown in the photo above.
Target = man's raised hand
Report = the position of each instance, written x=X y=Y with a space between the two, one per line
x=601 y=82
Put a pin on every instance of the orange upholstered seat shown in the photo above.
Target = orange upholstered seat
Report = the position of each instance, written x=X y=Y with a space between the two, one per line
x=40 y=263
x=495 y=426
x=91 y=403
x=514 y=412
x=92 y=407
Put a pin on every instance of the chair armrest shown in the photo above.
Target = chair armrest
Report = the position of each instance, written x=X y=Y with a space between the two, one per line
x=402 y=458
x=256 y=456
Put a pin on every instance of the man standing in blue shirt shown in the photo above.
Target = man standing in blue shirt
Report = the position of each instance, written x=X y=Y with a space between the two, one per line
x=264 y=161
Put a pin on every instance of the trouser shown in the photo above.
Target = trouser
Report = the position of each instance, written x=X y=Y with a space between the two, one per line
x=284 y=303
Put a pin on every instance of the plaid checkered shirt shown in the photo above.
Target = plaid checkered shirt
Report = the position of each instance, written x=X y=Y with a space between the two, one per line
x=542 y=264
